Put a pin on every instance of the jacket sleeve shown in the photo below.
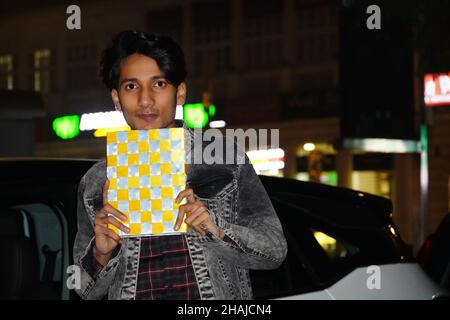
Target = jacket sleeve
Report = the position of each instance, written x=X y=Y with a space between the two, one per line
x=259 y=242
x=93 y=285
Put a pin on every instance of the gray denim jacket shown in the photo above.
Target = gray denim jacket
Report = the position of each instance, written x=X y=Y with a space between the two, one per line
x=237 y=203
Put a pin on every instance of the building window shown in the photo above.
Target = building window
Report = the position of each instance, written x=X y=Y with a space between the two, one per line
x=6 y=72
x=42 y=71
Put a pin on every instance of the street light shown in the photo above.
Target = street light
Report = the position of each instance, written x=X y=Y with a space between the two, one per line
x=309 y=146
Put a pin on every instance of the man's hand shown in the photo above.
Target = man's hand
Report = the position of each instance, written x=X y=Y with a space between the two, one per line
x=107 y=240
x=197 y=215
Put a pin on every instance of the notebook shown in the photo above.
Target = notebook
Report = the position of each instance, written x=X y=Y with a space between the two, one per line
x=146 y=171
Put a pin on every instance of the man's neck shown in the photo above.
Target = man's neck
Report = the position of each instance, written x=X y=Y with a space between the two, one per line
x=172 y=125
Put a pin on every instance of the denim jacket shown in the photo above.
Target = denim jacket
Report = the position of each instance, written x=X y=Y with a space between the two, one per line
x=238 y=205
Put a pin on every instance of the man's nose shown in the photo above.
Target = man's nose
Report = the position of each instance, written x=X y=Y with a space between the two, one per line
x=146 y=98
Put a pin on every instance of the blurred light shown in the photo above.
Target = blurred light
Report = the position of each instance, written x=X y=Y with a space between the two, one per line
x=437 y=89
x=273 y=172
x=329 y=177
x=382 y=145
x=195 y=115
x=212 y=111
x=265 y=154
x=217 y=124
x=309 y=146
x=99 y=120
x=179 y=112
x=424 y=173
x=67 y=127
x=324 y=240
x=102 y=132
x=267 y=160
x=392 y=230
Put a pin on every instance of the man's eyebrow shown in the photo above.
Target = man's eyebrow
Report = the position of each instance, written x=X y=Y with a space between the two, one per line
x=158 y=76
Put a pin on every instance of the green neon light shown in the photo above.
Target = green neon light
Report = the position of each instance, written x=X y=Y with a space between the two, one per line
x=195 y=116
x=67 y=127
x=212 y=110
x=424 y=150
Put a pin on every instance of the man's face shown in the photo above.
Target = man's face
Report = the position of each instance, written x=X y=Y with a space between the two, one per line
x=145 y=97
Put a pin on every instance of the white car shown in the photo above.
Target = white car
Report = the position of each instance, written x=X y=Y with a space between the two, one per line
x=342 y=244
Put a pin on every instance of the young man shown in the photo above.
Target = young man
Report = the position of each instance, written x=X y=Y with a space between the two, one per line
x=232 y=224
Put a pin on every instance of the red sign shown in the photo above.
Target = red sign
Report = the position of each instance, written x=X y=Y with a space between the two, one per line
x=437 y=89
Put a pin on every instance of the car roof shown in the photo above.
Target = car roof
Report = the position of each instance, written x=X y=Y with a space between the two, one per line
x=290 y=189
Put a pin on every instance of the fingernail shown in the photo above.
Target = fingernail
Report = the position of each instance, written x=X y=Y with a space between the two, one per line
x=176 y=227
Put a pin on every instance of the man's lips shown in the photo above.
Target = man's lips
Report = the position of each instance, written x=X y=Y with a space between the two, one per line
x=148 y=117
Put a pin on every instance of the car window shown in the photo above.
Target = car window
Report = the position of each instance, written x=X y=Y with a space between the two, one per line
x=46 y=228
x=334 y=248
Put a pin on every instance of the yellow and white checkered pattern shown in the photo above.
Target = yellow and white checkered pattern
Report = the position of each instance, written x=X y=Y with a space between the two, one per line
x=146 y=171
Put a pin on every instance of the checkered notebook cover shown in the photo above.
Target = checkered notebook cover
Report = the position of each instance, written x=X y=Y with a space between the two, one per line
x=146 y=171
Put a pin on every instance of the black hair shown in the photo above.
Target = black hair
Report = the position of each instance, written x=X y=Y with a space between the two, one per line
x=163 y=49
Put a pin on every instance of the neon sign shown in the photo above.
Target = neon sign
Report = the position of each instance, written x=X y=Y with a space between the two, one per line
x=437 y=89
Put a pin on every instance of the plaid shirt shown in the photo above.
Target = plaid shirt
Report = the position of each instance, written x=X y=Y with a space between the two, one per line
x=165 y=269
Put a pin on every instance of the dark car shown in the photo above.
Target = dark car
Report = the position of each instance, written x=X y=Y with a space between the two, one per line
x=434 y=256
x=341 y=243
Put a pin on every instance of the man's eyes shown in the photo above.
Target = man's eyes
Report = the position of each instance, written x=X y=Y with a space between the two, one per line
x=159 y=84
x=130 y=86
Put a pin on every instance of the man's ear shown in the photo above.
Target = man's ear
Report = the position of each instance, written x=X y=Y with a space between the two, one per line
x=116 y=100
x=181 y=93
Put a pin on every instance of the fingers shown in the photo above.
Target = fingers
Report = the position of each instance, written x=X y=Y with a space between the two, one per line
x=110 y=210
x=105 y=192
x=107 y=207
x=104 y=231
x=196 y=213
x=188 y=194
x=106 y=220
x=197 y=221
x=110 y=215
x=189 y=207
x=180 y=217
x=117 y=224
